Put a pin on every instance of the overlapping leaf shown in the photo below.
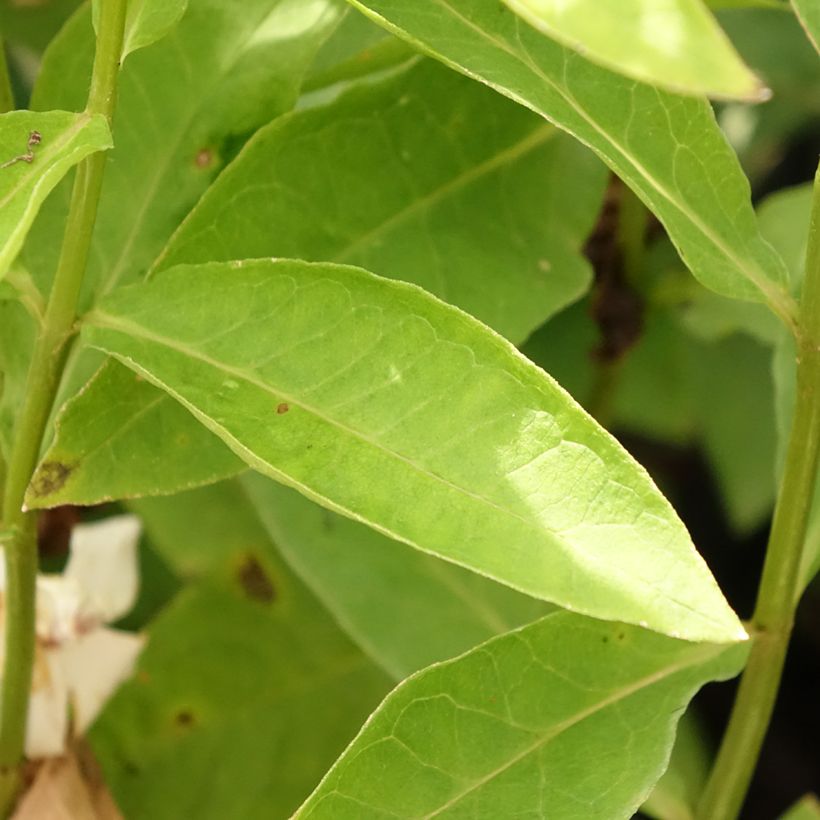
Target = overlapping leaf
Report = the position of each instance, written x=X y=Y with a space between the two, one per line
x=36 y=151
x=509 y=729
x=428 y=178
x=251 y=744
x=147 y=21
x=668 y=148
x=809 y=13
x=406 y=609
x=358 y=390
x=675 y=45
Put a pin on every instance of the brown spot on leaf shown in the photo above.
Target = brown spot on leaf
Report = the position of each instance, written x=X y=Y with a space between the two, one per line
x=282 y=408
x=255 y=581
x=50 y=478
x=185 y=719
x=204 y=158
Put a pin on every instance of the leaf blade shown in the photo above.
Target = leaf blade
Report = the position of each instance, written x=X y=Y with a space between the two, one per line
x=325 y=423
x=809 y=15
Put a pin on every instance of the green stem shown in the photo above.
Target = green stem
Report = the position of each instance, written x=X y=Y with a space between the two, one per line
x=780 y=585
x=6 y=94
x=41 y=388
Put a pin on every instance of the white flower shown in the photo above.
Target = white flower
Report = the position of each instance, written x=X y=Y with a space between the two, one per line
x=79 y=662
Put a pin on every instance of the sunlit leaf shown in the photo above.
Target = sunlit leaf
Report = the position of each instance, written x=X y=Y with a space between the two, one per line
x=675 y=45
x=36 y=151
x=511 y=728
x=364 y=390
x=667 y=147
x=147 y=21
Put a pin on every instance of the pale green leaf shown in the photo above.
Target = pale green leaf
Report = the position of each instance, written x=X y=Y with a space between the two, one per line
x=184 y=107
x=677 y=793
x=668 y=148
x=807 y=809
x=36 y=151
x=511 y=728
x=809 y=13
x=139 y=439
x=428 y=178
x=676 y=45
x=246 y=685
x=17 y=335
x=147 y=21
x=406 y=609
x=359 y=390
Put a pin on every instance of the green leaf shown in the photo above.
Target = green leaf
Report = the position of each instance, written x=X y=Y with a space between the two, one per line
x=807 y=809
x=36 y=151
x=184 y=107
x=34 y=24
x=365 y=390
x=147 y=21
x=252 y=744
x=809 y=13
x=509 y=729
x=675 y=45
x=428 y=178
x=157 y=449
x=677 y=793
x=406 y=609
x=668 y=148
x=17 y=335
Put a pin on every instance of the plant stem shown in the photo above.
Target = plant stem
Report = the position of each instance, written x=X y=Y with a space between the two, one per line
x=6 y=94
x=43 y=380
x=780 y=585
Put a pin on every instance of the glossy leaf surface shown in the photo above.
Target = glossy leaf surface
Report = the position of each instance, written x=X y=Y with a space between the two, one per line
x=510 y=728
x=246 y=685
x=36 y=151
x=668 y=148
x=359 y=390
x=427 y=178
x=676 y=45
x=406 y=609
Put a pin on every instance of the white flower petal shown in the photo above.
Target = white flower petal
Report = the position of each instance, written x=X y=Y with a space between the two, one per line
x=59 y=603
x=94 y=666
x=103 y=564
x=48 y=708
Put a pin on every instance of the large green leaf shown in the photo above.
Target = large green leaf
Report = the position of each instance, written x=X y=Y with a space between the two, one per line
x=565 y=718
x=184 y=106
x=147 y=21
x=668 y=148
x=361 y=391
x=428 y=178
x=809 y=13
x=36 y=151
x=247 y=686
x=406 y=609
x=675 y=45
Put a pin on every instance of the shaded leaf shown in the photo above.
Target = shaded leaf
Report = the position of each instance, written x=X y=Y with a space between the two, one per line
x=510 y=728
x=406 y=609
x=17 y=334
x=675 y=45
x=428 y=178
x=36 y=151
x=668 y=148
x=252 y=744
x=364 y=390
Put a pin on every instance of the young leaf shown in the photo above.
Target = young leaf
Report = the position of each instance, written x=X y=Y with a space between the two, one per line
x=158 y=450
x=147 y=21
x=184 y=106
x=252 y=744
x=406 y=609
x=512 y=728
x=428 y=178
x=359 y=391
x=668 y=148
x=809 y=13
x=36 y=151
x=675 y=45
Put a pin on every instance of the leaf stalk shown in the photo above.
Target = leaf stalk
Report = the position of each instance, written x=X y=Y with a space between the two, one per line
x=779 y=589
x=43 y=380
